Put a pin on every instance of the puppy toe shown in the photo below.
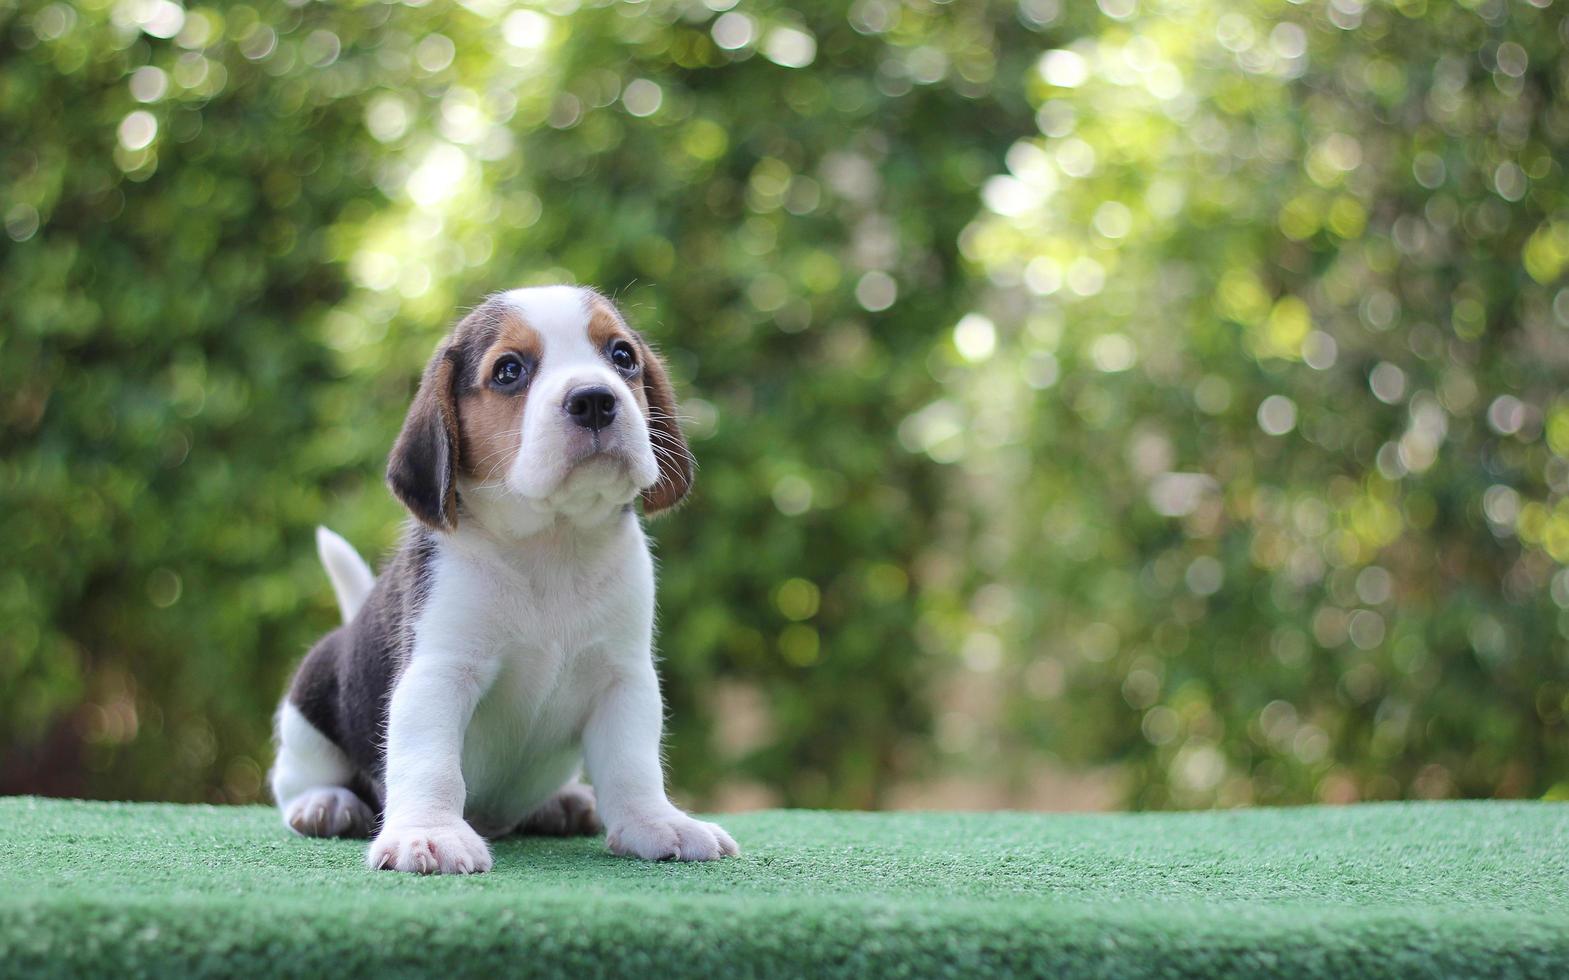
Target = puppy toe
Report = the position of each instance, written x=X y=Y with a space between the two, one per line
x=443 y=849
x=671 y=836
x=328 y=811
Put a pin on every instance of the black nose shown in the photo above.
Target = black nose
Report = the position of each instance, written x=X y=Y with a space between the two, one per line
x=593 y=407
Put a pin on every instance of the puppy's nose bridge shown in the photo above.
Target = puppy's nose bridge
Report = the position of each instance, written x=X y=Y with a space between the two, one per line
x=591 y=406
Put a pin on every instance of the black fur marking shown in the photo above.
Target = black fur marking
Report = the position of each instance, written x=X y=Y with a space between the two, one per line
x=344 y=685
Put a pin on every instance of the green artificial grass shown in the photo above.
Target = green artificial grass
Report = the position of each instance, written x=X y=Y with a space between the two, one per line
x=1376 y=890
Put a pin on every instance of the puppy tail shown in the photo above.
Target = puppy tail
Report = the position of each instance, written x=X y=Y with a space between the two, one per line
x=351 y=577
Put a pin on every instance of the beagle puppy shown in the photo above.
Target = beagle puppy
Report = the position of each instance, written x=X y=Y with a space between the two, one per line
x=507 y=646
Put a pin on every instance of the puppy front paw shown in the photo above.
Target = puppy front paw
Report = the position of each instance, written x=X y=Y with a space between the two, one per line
x=671 y=836
x=449 y=849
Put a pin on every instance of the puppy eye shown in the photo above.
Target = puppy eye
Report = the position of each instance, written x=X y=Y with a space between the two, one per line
x=623 y=357
x=508 y=370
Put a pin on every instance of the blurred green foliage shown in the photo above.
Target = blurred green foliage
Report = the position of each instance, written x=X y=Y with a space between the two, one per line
x=1171 y=387
x=1282 y=288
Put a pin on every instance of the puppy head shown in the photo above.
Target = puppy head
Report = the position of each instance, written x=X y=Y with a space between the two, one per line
x=541 y=402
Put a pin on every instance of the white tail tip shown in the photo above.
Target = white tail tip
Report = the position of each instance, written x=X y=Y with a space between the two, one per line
x=351 y=577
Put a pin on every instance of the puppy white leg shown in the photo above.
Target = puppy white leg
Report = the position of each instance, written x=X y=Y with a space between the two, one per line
x=310 y=779
x=621 y=747
x=567 y=814
x=423 y=829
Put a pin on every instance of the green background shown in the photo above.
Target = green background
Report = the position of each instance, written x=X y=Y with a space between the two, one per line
x=1152 y=403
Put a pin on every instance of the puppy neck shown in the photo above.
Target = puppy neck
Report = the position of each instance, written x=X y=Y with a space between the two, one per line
x=513 y=525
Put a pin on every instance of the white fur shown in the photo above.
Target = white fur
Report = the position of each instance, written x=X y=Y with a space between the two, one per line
x=533 y=651
x=329 y=811
x=308 y=758
x=351 y=577
x=309 y=777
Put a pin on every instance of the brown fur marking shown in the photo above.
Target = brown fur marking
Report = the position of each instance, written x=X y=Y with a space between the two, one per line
x=656 y=398
x=490 y=420
x=606 y=326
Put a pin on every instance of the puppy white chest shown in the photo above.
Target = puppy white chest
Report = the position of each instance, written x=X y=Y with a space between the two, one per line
x=547 y=634
x=524 y=741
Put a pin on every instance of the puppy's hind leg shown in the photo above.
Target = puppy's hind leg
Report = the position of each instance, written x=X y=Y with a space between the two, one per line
x=569 y=813
x=310 y=781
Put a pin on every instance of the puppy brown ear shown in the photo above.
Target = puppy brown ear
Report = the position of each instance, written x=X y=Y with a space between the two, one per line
x=664 y=430
x=423 y=467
